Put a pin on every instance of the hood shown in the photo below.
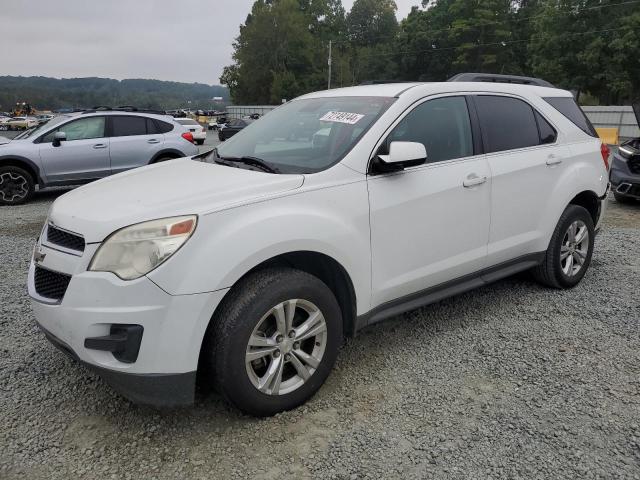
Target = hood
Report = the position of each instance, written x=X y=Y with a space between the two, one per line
x=172 y=188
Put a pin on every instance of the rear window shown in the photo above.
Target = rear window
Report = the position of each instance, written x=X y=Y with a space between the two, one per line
x=570 y=109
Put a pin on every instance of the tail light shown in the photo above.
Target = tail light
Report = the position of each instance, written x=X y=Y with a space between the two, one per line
x=188 y=136
x=605 y=151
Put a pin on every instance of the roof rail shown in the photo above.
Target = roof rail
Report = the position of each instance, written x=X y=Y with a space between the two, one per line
x=123 y=108
x=492 y=77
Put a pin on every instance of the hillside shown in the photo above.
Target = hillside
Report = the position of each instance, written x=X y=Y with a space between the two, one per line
x=46 y=93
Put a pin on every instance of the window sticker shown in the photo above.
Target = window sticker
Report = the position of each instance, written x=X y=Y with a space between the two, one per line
x=342 y=117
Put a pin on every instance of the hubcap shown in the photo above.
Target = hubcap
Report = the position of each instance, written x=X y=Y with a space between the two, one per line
x=574 y=249
x=286 y=347
x=13 y=187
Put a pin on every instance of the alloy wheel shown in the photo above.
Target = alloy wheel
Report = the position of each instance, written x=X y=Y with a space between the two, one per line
x=286 y=347
x=575 y=248
x=13 y=187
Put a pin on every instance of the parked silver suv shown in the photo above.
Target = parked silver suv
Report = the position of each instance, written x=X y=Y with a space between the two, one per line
x=80 y=147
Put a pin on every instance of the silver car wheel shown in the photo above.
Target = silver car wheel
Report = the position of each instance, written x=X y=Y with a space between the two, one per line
x=575 y=248
x=13 y=187
x=286 y=347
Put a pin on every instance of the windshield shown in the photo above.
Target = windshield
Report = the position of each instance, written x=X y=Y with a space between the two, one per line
x=307 y=136
x=34 y=132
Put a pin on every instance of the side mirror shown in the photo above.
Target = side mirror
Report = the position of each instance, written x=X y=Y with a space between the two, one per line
x=401 y=155
x=58 y=137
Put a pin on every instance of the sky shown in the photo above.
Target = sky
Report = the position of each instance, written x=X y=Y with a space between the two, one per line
x=186 y=41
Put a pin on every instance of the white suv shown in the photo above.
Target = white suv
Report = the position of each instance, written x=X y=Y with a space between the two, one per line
x=249 y=266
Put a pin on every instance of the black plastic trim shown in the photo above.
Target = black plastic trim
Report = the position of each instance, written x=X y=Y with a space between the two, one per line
x=123 y=341
x=498 y=78
x=28 y=162
x=448 y=289
x=155 y=389
x=170 y=151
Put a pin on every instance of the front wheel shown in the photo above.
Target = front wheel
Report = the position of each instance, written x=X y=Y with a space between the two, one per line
x=569 y=253
x=16 y=185
x=274 y=341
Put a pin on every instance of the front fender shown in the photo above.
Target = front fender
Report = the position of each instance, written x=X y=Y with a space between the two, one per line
x=226 y=245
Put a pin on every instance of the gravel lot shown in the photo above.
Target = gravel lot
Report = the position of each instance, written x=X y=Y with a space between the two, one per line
x=509 y=381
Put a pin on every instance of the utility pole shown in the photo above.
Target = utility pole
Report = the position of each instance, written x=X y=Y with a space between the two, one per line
x=329 y=62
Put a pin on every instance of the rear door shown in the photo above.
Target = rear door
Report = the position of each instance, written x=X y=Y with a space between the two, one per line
x=135 y=140
x=84 y=155
x=526 y=164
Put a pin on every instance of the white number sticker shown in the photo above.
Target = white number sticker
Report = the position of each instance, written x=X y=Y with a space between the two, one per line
x=342 y=117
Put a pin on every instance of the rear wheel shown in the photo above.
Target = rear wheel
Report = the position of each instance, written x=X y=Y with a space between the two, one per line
x=16 y=185
x=570 y=249
x=273 y=342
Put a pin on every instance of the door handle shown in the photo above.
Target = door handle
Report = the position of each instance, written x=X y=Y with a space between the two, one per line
x=98 y=146
x=473 y=180
x=553 y=160
x=153 y=140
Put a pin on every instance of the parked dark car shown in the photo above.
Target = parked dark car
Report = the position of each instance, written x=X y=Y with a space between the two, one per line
x=625 y=167
x=233 y=127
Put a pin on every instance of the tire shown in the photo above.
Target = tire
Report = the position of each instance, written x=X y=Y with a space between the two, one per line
x=16 y=185
x=620 y=198
x=560 y=273
x=246 y=313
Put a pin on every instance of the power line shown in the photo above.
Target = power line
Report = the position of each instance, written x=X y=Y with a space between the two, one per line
x=491 y=44
x=516 y=20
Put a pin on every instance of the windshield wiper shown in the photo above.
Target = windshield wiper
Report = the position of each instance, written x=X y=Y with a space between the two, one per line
x=253 y=161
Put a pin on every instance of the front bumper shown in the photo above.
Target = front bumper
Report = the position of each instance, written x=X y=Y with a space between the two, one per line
x=160 y=390
x=174 y=326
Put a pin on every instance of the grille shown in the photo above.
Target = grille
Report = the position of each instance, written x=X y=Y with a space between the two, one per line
x=634 y=164
x=65 y=239
x=51 y=284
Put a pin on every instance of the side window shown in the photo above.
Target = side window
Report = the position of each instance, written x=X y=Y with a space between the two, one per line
x=151 y=127
x=547 y=133
x=441 y=125
x=124 y=126
x=507 y=123
x=163 y=127
x=568 y=107
x=82 y=129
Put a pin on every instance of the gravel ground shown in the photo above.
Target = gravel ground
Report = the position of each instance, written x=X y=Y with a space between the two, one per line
x=509 y=381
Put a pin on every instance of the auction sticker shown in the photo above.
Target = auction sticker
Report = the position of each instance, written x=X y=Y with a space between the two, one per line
x=342 y=117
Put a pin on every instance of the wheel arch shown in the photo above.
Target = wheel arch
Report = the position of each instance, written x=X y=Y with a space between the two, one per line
x=589 y=200
x=168 y=152
x=324 y=267
x=25 y=163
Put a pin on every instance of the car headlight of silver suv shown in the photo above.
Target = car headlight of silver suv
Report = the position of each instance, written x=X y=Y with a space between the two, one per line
x=134 y=251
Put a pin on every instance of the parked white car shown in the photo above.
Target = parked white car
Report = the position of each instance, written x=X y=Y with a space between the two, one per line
x=198 y=131
x=250 y=266
x=21 y=123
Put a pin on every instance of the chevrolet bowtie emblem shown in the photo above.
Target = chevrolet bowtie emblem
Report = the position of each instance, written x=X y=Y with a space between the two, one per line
x=38 y=256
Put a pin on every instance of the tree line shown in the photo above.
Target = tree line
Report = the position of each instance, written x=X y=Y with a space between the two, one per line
x=590 y=46
x=46 y=93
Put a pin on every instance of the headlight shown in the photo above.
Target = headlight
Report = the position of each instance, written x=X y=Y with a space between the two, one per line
x=134 y=251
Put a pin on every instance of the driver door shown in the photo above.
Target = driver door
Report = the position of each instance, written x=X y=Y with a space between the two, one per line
x=430 y=223
x=83 y=156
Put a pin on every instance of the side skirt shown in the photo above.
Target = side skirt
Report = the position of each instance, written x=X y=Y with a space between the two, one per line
x=448 y=289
